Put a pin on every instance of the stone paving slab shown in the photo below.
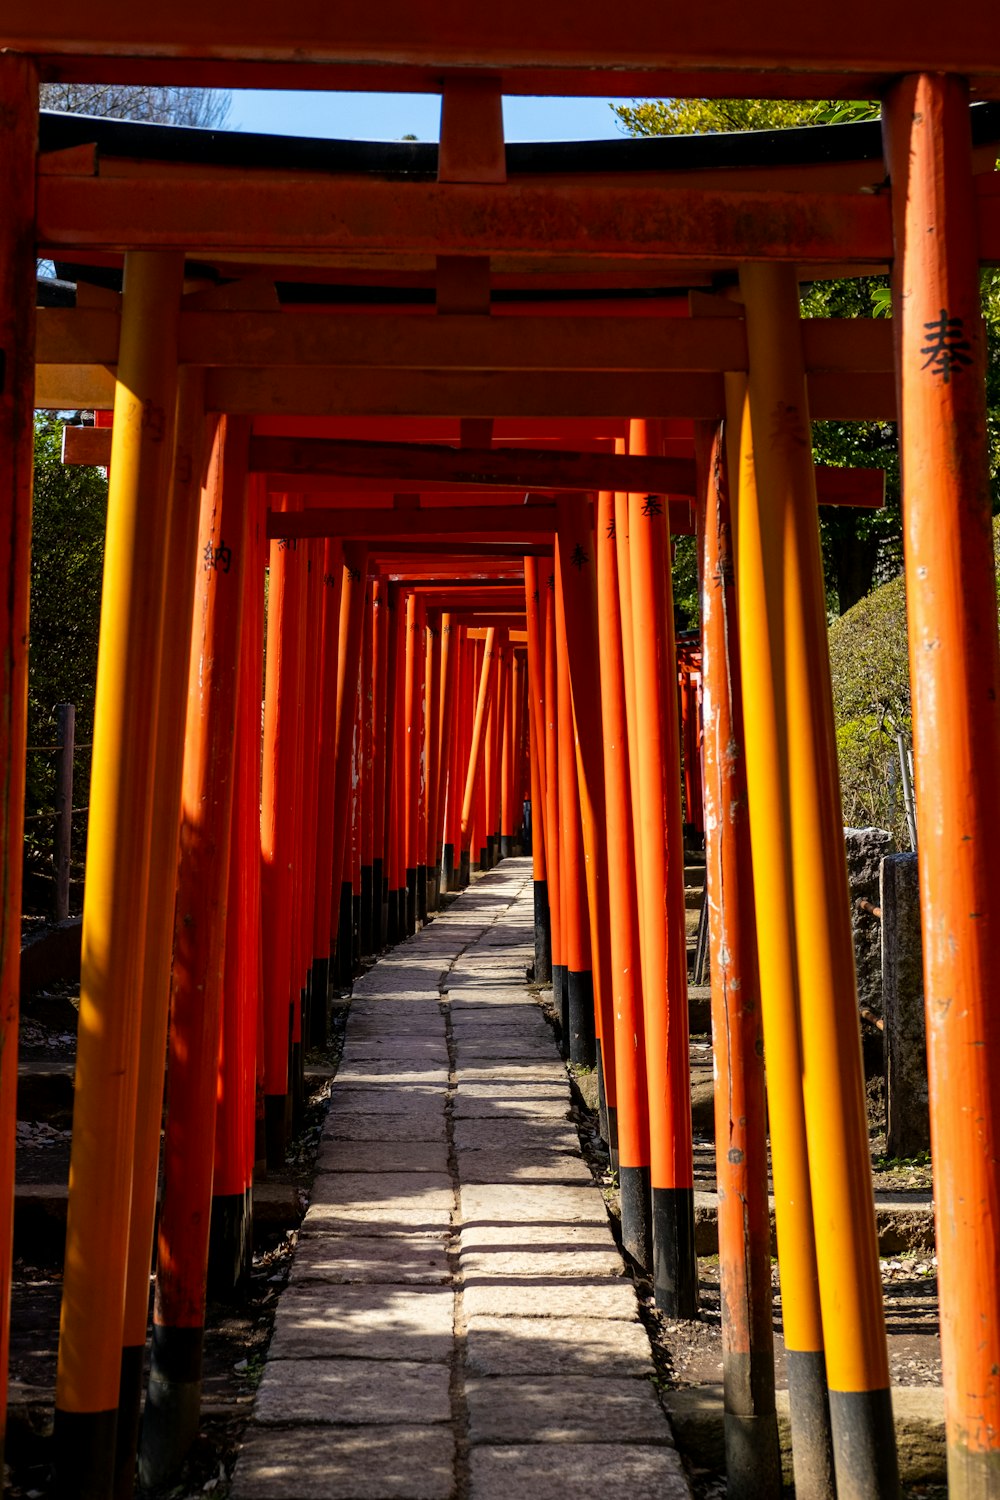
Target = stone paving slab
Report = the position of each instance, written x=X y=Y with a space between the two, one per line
x=352 y=1126
x=514 y=1136
x=555 y=1236
x=522 y=1167
x=421 y=1256
x=556 y=1346
x=326 y=1218
x=373 y=1322
x=352 y=1391
x=503 y=1296
x=562 y=1409
x=553 y=1204
x=383 y=1156
x=544 y=1265
x=471 y=1104
x=386 y=1191
x=387 y=1101
x=587 y=1471
x=341 y=1463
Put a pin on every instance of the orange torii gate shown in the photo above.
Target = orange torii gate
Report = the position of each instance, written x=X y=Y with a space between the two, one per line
x=764 y=229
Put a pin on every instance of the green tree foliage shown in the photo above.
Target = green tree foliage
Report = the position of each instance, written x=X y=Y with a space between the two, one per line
x=869 y=664
x=67 y=560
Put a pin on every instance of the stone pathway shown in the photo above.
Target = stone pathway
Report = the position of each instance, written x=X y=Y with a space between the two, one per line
x=456 y=1325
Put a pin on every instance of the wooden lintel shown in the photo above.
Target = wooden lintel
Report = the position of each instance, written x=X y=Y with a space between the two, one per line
x=254 y=337
x=205 y=212
x=526 y=523
x=538 y=470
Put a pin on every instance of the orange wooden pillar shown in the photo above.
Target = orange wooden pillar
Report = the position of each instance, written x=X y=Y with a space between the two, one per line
x=576 y=583
x=536 y=728
x=753 y=1459
x=445 y=782
x=18 y=141
x=333 y=593
x=119 y=854
x=411 y=739
x=762 y=631
x=834 y=1087
x=173 y=1397
x=185 y=509
x=310 y=652
x=456 y=794
x=955 y=677
x=498 y=729
x=509 y=816
x=395 y=748
x=230 y=1242
x=555 y=871
x=351 y=950
x=626 y=972
x=432 y=753
x=282 y=716
x=580 y=1040
x=380 y=664
x=476 y=767
x=366 y=922
x=420 y=853
x=352 y=610
x=661 y=905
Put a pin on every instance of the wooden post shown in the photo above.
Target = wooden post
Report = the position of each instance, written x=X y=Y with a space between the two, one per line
x=753 y=1459
x=475 y=773
x=173 y=1397
x=282 y=716
x=536 y=730
x=118 y=861
x=185 y=507
x=333 y=593
x=367 y=922
x=626 y=974
x=555 y=870
x=836 y=1124
x=18 y=143
x=62 y=842
x=661 y=905
x=432 y=751
x=955 y=675
x=380 y=656
x=576 y=591
x=348 y=680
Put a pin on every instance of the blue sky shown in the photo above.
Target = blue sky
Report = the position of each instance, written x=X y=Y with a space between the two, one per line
x=388 y=117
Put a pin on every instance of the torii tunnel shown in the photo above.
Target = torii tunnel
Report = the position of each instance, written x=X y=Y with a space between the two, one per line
x=454 y=402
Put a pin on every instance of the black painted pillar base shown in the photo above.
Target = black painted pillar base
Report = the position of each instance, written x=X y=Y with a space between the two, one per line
x=753 y=1452
x=506 y=845
x=602 y=1098
x=411 y=901
x=393 y=926
x=580 y=1003
x=864 y=1442
x=484 y=858
x=230 y=1247
x=345 y=937
x=259 y=1133
x=129 y=1415
x=637 y=1214
x=84 y=1447
x=464 y=869
x=275 y=1129
x=449 y=883
x=378 y=907
x=366 y=924
x=319 y=1006
x=296 y=1086
x=173 y=1403
x=355 y=932
x=809 y=1409
x=543 y=934
x=675 y=1265
x=434 y=885
x=421 y=874
x=560 y=1000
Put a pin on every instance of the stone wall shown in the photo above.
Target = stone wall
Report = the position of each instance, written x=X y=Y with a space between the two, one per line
x=866 y=848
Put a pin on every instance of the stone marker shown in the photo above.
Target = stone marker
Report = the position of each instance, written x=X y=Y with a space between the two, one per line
x=907 y=1117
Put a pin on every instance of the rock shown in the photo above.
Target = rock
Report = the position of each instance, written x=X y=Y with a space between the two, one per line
x=907 y=1117
x=865 y=849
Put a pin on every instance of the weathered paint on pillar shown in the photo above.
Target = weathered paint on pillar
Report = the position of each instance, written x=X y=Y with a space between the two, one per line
x=18 y=141
x=753 y=1459
x=115 y=902
x=955 y=676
